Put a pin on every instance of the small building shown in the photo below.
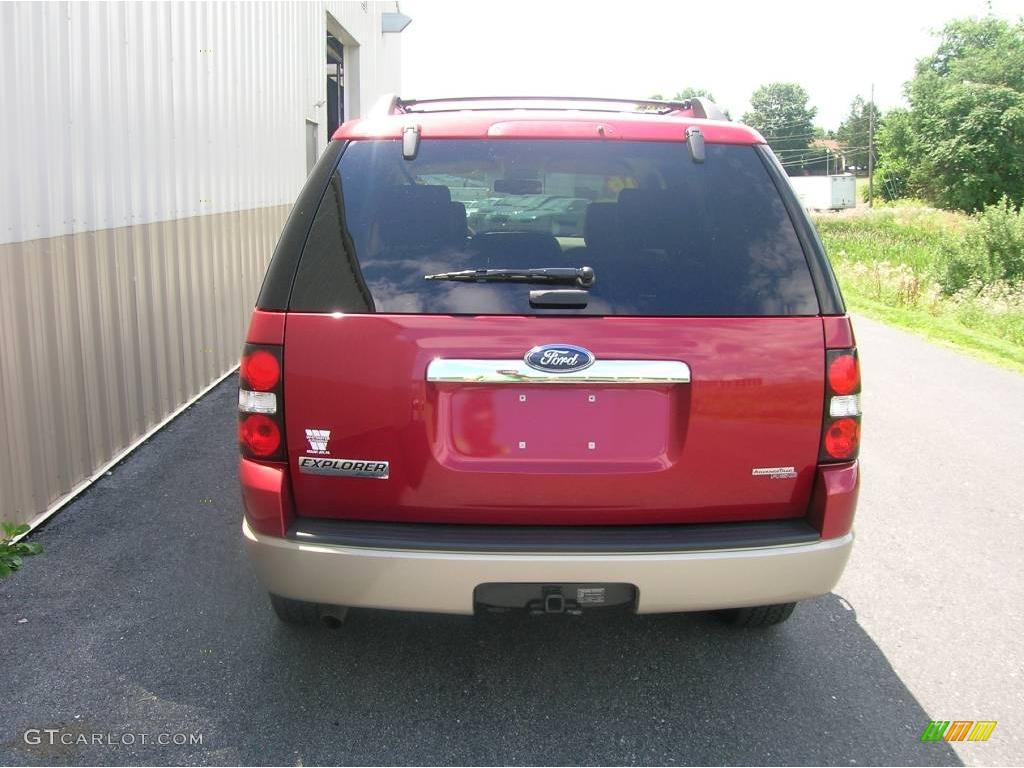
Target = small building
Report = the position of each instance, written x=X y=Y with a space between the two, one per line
x=826 y=192
x=152 y=153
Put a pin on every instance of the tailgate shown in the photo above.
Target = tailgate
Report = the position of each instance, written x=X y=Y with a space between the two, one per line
x=480 y=448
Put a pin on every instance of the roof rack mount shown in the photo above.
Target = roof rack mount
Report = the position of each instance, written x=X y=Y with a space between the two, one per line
x=698 y=107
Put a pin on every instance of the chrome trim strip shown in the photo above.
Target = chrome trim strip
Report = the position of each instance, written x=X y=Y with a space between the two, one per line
x=518 y=372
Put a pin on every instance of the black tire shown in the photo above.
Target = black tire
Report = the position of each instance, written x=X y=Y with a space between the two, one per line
x=295 y=611
x=759 y=615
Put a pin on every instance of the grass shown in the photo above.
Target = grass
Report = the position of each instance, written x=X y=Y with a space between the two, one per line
x=862 y=190
x=12 y=553
x=887 y=261
x=862 y=186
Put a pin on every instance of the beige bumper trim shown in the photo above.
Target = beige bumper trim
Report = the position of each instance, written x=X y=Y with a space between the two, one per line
x=443 y=582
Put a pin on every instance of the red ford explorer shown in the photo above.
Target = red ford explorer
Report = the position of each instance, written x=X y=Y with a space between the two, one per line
x=548 y=354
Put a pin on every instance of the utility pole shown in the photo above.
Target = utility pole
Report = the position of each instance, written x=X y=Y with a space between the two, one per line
x=871 y=149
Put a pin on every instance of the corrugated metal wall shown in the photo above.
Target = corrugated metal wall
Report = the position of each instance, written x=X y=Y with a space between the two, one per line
x=105 y=333
x=151 y=152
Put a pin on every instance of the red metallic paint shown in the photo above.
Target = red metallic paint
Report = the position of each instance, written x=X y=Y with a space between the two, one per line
x=838 y=332
x=835 y=499
x=663 y=454
x=542 y=124
x=266 y=327
x=267 y=497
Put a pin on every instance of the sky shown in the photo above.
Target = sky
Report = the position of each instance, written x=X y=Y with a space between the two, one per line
x=638 y=48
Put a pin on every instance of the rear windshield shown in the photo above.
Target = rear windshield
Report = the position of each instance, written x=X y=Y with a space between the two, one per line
x=664 y=235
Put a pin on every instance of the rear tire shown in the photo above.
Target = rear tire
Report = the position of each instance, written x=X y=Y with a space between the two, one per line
x=301 y=613
x=759 y=615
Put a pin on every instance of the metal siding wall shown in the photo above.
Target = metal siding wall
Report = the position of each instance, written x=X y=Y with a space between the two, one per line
x=128 y=113
x=103 y=334
x=151 y=152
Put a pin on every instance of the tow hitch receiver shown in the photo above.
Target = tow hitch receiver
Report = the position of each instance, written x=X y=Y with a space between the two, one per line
x=541 y=599
x=555 y=603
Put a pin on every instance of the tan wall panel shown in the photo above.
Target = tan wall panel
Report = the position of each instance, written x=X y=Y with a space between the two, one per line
x=104 y=334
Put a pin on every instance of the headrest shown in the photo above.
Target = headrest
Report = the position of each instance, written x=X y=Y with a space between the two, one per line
x=415 y=216
x=420 y=194
x=517 y=249
x=652 y=217
x=457 y=222
x=601 y=225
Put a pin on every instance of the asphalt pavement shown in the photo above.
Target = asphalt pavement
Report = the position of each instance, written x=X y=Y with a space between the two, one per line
x=142 y=618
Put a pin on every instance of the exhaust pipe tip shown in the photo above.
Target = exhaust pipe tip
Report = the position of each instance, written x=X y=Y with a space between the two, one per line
x=332 y=616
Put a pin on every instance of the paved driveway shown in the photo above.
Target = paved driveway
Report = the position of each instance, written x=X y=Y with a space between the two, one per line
x=143 y=617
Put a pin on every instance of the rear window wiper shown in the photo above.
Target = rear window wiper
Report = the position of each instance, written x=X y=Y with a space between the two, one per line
x=582 y=276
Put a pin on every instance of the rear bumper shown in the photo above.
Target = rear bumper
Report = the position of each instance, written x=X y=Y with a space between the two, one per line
x=444 y=581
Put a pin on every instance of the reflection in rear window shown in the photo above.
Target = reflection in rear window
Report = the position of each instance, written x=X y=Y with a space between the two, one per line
x=663 y=234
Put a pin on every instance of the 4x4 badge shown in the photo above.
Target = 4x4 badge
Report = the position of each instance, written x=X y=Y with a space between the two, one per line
x=318 y=439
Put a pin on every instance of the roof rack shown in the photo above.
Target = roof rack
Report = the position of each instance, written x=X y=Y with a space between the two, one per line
x=698 y=107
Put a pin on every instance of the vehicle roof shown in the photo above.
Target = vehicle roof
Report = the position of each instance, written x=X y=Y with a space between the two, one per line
x=547 y=124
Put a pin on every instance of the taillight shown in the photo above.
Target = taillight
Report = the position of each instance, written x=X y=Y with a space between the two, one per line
x=840 y=436
x=260 y=395
x=261 y=369
x=260 y=435
x=844 y=373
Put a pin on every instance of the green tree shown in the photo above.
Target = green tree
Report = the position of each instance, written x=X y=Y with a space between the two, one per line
x=855 y=130
x=689 y=93
x=686 y=93
x=966 y=118
x=781 y=113
x=896 y=152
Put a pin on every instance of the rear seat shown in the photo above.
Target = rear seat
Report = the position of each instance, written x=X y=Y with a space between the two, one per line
x=515 y=250
x=417 y=217
x=457 y=222
x=653 y=218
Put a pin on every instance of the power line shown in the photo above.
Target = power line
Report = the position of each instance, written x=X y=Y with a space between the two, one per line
x=772 y=125
x=840 y=151
x=823 y=149
x=814 y=136
x=805 y=160
x=810 y=158
x=871 y=151
x=794 y=137
x=810 y=136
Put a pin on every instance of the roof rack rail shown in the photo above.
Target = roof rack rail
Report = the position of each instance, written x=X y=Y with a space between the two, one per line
x=387 y=104
x=698 y=107
x=708 y=108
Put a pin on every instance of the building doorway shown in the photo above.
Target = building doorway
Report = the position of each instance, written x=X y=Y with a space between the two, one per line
x=335 y=84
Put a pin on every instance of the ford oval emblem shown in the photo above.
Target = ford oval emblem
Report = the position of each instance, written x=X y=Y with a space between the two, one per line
x=559 y=358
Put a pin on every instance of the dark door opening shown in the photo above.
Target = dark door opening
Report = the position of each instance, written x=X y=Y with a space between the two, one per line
x=335 y=84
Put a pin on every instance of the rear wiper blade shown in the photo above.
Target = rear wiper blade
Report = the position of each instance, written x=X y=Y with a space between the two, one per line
x=582 y=276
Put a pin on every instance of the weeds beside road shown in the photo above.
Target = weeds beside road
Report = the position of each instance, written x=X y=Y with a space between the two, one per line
x=936 y=272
